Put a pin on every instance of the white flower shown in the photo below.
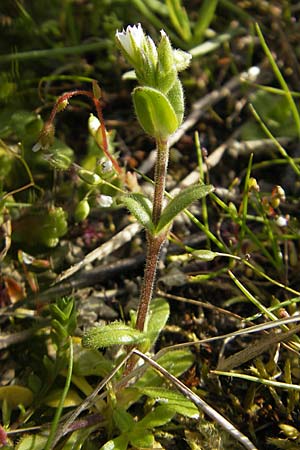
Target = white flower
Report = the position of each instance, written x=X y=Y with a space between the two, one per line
x=281 y=221
x=131 y=40
x=105 y=201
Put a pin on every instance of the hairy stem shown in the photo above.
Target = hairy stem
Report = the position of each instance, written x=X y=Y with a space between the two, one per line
x=154 y=243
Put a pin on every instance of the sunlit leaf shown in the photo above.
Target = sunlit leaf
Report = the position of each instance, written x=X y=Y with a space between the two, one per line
x=174 y=400
x=180 y=202
x=15 y=395
x=140 y=208
x=116 y=333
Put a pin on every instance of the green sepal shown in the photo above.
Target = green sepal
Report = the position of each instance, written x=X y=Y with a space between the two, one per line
x=180 y=202
x=141 y=208
x=166 y=72
x=176 y=98
x=116 y=333
x=154 y=112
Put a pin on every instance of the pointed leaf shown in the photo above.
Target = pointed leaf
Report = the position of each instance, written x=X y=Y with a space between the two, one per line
x=159 y=314
x=140 y=208
x=116 y=333
x=154 y=112
x=180 y=202
x=179 y=19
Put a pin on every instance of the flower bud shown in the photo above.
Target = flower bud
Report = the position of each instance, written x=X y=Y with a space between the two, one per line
x=59 y=161
x=89 y=177
x=82 y=210
x=154 y=112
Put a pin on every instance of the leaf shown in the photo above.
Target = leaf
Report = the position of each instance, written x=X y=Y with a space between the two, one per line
x=15 y=395
x=206 y=15
x=158 y=417
x=118 y=443
x=123 y=420
x=140 y=208
x=176 y=362
x=176 y=401
x=141 y=439
x=90 y=362
x=179 y=19
x=53 y=399
x=32 y=442
x=180 y=202
x=154 y=112
x=116 y=333
x=159 y=314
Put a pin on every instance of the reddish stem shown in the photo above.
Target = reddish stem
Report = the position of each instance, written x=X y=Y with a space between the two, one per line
x=65 y=97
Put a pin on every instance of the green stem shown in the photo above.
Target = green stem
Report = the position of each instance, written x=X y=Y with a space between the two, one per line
x=51 y=438
x=154 y=242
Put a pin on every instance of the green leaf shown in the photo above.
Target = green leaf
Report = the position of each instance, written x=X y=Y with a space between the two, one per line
x=154 y=112
x=90 y=362
x=179 y=19
x=141 y=439
x=123 y=420
x=176 y=362
x=116 y=333
x=119 y=443
x=53 y=399
x=176 y=401
x=15 y=395
x=140 y=208
x=156 y=418
x=159 y=314
x=180 y=202
x=32 y=442
x=206 y=15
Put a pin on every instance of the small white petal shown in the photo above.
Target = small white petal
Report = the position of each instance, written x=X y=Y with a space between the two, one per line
x=106 y=166
x=131 y=39
x=281 y=221
x=253 y=73
x=105 y=201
